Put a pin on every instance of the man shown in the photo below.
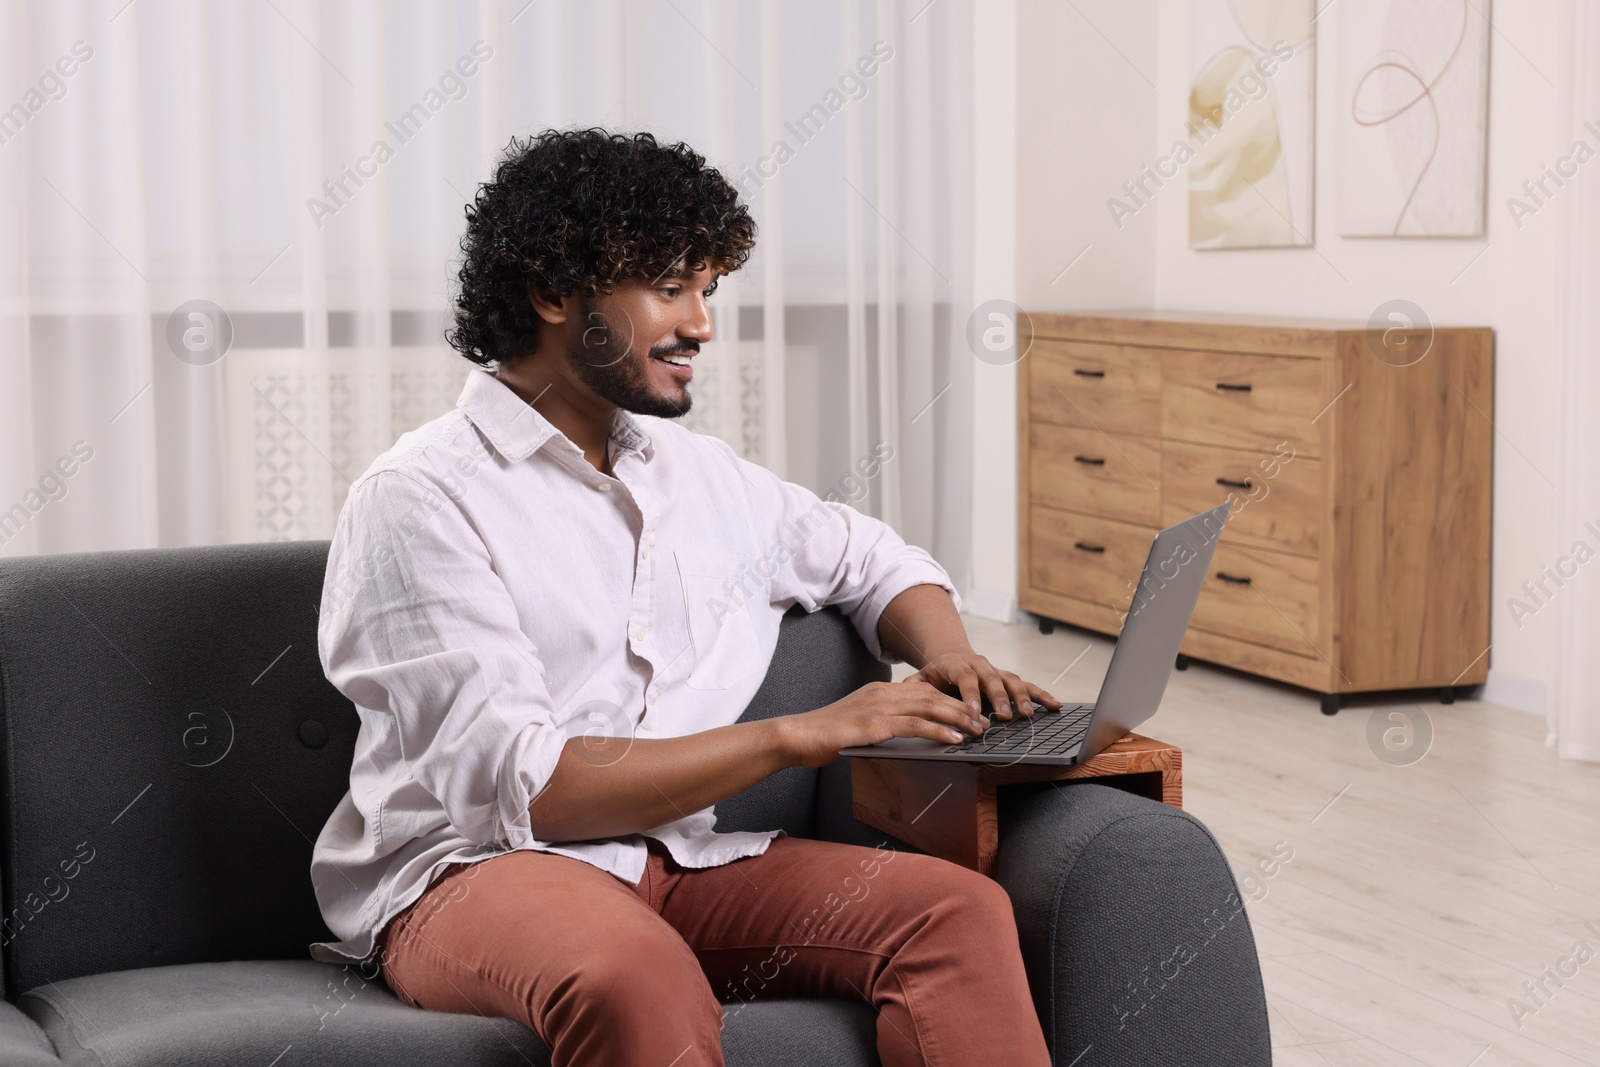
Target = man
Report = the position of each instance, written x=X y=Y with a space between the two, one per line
x=552 y=605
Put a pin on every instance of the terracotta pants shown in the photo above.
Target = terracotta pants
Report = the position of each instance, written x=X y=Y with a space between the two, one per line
x=612 y=974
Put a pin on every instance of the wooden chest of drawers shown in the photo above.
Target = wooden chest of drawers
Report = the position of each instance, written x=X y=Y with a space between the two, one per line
x=1358 y=464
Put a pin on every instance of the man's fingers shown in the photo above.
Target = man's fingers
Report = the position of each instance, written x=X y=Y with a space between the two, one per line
x=912 y=726
x=1020 y=695
x=994 y=687
x=1043 y=697
x=967 y=682
x=931 y=704
x=974 y=679
x=960 y=677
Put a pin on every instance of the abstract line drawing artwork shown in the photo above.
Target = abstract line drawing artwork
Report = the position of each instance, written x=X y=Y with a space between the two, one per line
x=1413 y=117
x=1251 y=123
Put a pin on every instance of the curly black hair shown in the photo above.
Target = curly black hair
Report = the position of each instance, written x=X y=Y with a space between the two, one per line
x=577 y=211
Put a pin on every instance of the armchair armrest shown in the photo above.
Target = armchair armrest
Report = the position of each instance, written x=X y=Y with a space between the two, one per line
x=1133 y=932
x=22 y=1042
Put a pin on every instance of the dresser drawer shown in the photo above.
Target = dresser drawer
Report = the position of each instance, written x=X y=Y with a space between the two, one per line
x=1277 y=496
x=1104 y=474
x=1107 y=387
x=1253 y=402
x=1092 y=559
x=1264 y=597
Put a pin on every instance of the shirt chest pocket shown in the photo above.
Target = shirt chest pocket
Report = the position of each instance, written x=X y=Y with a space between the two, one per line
x=718 y=592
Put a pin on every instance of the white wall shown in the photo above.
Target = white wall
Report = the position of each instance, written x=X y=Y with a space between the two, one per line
x=1087 y=89
x=1085 y=115
x=1087 y=120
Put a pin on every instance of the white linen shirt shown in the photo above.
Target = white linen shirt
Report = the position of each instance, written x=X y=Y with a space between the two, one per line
x=490 y=595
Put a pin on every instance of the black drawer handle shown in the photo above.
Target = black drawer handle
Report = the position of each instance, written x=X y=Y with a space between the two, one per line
x=1230 y=387
x=1080 y=372
x=1089 y=461
x=1083 y=547
x=1225 y=576
x=1231 y=484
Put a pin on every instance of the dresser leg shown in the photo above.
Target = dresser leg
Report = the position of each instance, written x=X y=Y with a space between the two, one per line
x=1047 y=626
x=1181 y=663
x=1330 y=703
x=1447 y=695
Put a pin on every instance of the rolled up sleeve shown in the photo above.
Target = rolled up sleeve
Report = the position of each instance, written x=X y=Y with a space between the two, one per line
x=416 y=625
x=827 y=554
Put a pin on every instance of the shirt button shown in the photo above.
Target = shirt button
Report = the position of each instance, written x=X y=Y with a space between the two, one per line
x=653 y=694
x=644 y=553
x=639 y=633
x=604 y=487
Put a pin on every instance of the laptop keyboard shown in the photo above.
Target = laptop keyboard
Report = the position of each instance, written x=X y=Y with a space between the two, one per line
x=1046 y=733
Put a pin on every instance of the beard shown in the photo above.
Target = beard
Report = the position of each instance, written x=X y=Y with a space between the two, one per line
x=606 y=363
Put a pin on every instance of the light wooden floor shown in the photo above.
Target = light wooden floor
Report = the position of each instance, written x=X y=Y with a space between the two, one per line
x=1419 y=898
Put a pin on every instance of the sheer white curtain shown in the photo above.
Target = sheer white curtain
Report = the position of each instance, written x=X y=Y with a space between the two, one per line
x=287 y=177
x=1575 y=696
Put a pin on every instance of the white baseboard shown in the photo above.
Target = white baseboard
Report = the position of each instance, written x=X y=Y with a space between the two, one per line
x=991 y=604
x=1516 y=691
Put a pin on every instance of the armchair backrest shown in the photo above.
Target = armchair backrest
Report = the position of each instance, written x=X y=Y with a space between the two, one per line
x=170 y=750
x=820 y=658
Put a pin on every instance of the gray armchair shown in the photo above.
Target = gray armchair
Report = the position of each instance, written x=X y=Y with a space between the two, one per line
x=172 y=749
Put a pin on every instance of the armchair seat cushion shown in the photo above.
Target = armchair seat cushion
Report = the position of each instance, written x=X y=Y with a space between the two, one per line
x=198 y=1015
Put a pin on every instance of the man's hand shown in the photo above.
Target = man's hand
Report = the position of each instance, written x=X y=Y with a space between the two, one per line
x=921 y=627
x=973 y=676
x=875 y=713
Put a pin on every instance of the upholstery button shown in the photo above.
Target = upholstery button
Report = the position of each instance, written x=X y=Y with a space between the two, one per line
x=313 y=734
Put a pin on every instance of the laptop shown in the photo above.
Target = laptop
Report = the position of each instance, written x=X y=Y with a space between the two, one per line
x=1158 y=617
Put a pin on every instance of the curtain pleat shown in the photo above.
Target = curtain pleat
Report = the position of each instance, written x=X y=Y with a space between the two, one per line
x=723 y=358
x=884 y=202
x=925 y=282
x=365 y=384
x=99 y=182
x=855 y=260
x=18 y=534
x=288 y=398
x=1575 y=695
x=954 y=155
x=774 y=439
x=191 y=445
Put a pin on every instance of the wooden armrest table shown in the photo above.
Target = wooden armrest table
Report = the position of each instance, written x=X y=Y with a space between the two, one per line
x=950 y=810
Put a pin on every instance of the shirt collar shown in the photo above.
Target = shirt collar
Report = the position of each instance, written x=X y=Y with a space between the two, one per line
x=517 y=431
